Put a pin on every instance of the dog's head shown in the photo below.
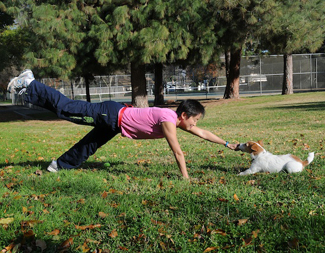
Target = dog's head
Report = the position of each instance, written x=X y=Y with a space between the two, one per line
x=252 y=147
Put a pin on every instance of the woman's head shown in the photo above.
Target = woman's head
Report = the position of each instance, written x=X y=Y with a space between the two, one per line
x=191 y=107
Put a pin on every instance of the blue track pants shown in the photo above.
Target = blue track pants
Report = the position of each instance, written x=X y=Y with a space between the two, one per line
x=102 y=116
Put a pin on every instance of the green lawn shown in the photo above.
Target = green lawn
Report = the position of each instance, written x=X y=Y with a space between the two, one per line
x=130 y=195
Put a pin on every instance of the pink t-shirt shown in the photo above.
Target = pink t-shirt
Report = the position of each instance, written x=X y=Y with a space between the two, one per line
x=145 y=123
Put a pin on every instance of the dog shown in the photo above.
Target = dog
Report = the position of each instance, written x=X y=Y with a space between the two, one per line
x=264 y=161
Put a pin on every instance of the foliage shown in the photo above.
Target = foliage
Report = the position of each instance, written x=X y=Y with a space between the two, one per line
x=129 y=196
x=294 y=26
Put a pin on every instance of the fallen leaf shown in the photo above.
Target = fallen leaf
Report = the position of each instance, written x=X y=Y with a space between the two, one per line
x=39 y=172
x=219 y=232
x=255 y=233
x=222 y=180
x=88 y=227
x=113 y=234
x=9 y=185
x=66 y=244
x=81 y=201
x=54 y=232
x=210 y=249
x=6 y=221
x=85 y=247
x=115 y=191
x=247 y=241
x=250 y=182
x=102 y=215
x=29 y=233
x=155 y=222
x=293 y=243
x=104 y=195
x=236 y=197
x=123 y=248
x=242 y=222
x=9 y=247
x=41 y=244
x=163 y=245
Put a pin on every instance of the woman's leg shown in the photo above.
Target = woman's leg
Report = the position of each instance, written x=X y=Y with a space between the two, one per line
x=86 y=147
x=80 y=112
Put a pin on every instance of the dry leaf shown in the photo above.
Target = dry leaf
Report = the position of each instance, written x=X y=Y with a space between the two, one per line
x=219 y=232
x=85 y=247
x=255 y=233
x=66 y=244
x=102 y=215
x=293 y=243
x=104 y=195
x=235 y=197
x=113 y=234
x=248 y=241
x=54 y=232
x=250 y=182
x=123 y=248
x=210 y=249
x=41 y=244
x=88 y=227
x=29 y=233
x=242 y=221
x=163 y=245
x=6 y=221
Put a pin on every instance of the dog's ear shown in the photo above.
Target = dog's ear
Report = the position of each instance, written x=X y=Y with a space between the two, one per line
x=260 y=142
x=254 y=147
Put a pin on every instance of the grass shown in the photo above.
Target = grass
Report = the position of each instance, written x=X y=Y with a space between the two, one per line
x=130 y=195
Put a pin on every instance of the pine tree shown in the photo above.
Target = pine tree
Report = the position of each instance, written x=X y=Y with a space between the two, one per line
x=235 y=22
x=295 y=26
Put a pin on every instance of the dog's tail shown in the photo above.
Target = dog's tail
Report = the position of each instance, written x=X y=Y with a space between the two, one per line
x=310 y=158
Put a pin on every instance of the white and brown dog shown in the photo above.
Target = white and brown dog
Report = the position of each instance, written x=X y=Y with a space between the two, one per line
x=264 y=161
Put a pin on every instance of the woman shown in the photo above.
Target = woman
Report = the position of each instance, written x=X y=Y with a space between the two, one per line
x=110 y=118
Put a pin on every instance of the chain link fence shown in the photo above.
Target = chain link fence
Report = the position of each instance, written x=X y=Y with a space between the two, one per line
x=258 y=75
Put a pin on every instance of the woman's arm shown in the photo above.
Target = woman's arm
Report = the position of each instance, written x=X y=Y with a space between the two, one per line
x=207 y=135
x=169 y=130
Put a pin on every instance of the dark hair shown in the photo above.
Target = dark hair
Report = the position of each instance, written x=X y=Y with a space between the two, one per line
x=191 y=107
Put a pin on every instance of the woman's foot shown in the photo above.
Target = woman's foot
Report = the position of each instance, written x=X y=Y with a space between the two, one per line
x=20 y=82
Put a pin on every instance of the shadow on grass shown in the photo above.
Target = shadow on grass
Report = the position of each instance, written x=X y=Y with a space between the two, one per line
x=85 y=166
x=310 y=106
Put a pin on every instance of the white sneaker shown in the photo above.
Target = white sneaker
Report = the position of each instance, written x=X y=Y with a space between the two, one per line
x=21 y=81
x=53 y=167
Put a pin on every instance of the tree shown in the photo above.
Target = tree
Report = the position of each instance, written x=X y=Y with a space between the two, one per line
x=12 y=43
x=235 y=22
x=295 y=27
x=151 y=32
x=61 y=43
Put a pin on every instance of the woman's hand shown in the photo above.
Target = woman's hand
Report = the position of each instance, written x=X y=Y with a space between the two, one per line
x=232 y=146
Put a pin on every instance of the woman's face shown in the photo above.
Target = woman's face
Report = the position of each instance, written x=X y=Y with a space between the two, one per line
x=188 y=122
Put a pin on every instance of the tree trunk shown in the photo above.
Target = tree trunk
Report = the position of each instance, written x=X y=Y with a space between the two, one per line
x=232 y=88
x=159 y=87
x=227 y=62
x=87 y=81
x=287 y=86
x=139 y=86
